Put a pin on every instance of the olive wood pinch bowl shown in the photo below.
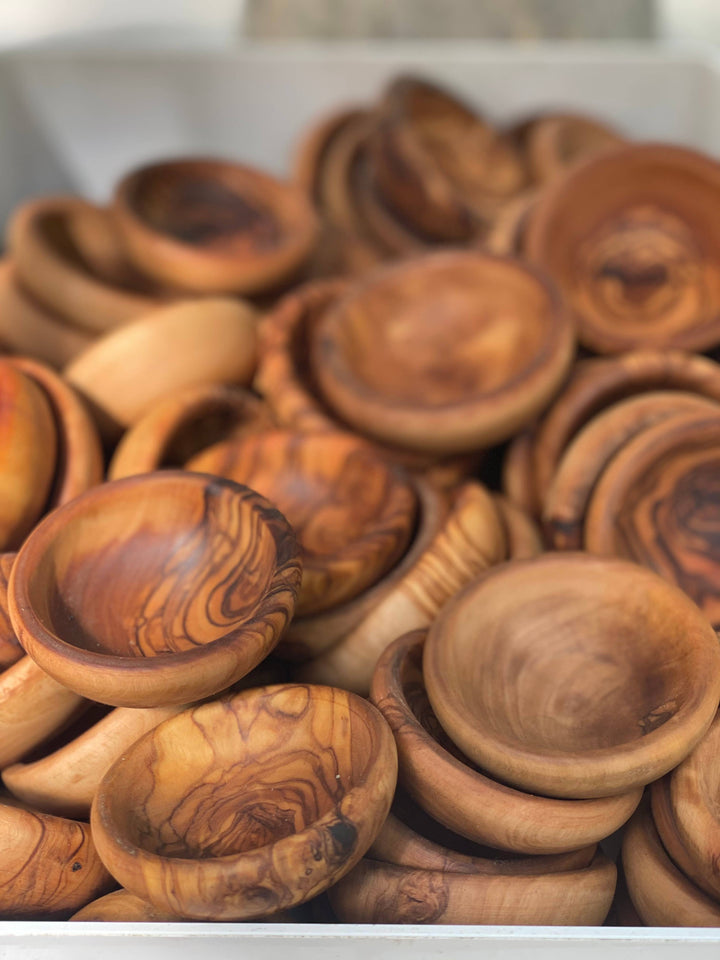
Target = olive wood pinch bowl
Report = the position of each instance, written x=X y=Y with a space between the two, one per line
x=376 y=892
x=120 y=906
x=510 y=682
x=449 y=787
x=444 y=353
x=155 y=590
x=352 y=513
x=247 y=805
x=209 y=226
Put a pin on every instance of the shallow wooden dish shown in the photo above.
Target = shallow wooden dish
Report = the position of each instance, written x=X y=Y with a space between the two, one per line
x=209 y=226
x=632 y=239
x=155 y=590
x=557 y=141
x=510 y=684
x=455 y=792
x=445 y=353
x=247 y=805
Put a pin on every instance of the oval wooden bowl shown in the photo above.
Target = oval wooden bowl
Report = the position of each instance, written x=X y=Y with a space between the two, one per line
x=631 y=237
x=352 y=513
x=248 y=805
x=389 y=367
x=155 y=590
x=126 y=372
x=470 y=540
x=181 y=425
x=661 y=894
x=51 y=266
x=449 y=787
x=10 y=649
x=592 y=450
x=510 y=682
x=208 y=226
x=376 y=892
x=555 y=142
x=656 y=504
x=522 y=534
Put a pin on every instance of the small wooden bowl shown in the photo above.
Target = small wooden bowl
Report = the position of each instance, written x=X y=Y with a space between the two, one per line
x=376 y=892
x=661 y=894
x=183 y=424
x=155 y=590
x=631 y=237
x=522 y=534
x=248 y=805
x=390 y=367
x=510 y=682
x=51 y=266
x=656 y=504
x=208 y=226
x=456 y=793
x=10 y=649
x=352 y=513
x=518 y=479
x=123 y=907
x=505 y=235
x=557 y=141
x=311 y=153
x=672 y=840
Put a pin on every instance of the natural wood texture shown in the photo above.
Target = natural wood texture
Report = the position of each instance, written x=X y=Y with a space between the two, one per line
x=632 y=239
x=445 y=353
x=353 y=515
x=10 y=649
x=449 y=787
x=49 y=866
x=126 y=372
x=120 y=906
x=79 y=462
x=518 y=479
x=505 y=235
x=377 y=892
x=521 y=532
x=51 y=266
x=208 y=226
x=94 y=235
x=155 y=590
x=28 y=444
x=316 y=143
x=554 y=142
x=593 y=448
x=470 y=540
x=248 y=805
x=672 y=840
x=661 y=894
x=188 y=421
x=26 y=326
x=656 y=504
x=542 y=695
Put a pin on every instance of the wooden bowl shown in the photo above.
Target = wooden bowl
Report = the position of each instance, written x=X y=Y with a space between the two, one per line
x=458 y=794
x=209 y=226
x=183 y=424
x=247 y=805
x=470 y=540
x=672 y=840
x=123 y=907
x=510 y=682
x=51 y=266
x=353 y=515
x=316 y=144
x=518 y=475
x=391 y=368
x=656 y=504
x=661 y=894
x=376 y=892
x=124 y=374
x=155 y=590
x=10 y=649
x=522 y=534
x=592 y=450
x=557 y=141
x=631 y=237
x=505 y=235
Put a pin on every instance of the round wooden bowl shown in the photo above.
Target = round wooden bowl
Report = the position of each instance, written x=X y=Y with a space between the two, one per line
x=155 y=590
x=183 y=424
x=593 y=448
x=661 y=894
x=10 y=649
x=666 y=824
x=470 y=539
x=209 y=226
x=510 y=682
x=452 y=790
x=385 y=228
x=94 y=235
x=353 y=515
x=522 y=534
x=632 y=239
x=376 y=892
x=248 y=805
x=51 y=266
x=656 y=504
x=505 y=235
x=518 y=479
x=555 y=142
x=390 y=367
x=317 y=142
x=125 y=373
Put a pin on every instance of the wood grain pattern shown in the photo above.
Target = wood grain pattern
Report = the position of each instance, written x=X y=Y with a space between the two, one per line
x=555 y=142
x=163 y=588
x=249 y=805
x=509 y=682
x=10 y=649
x=453 y=790
x=518 y=480
x=123 y=907
x=505 y=235
x=666 y=824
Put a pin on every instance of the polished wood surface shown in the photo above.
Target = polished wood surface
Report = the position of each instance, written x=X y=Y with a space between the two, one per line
x=123 y=907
